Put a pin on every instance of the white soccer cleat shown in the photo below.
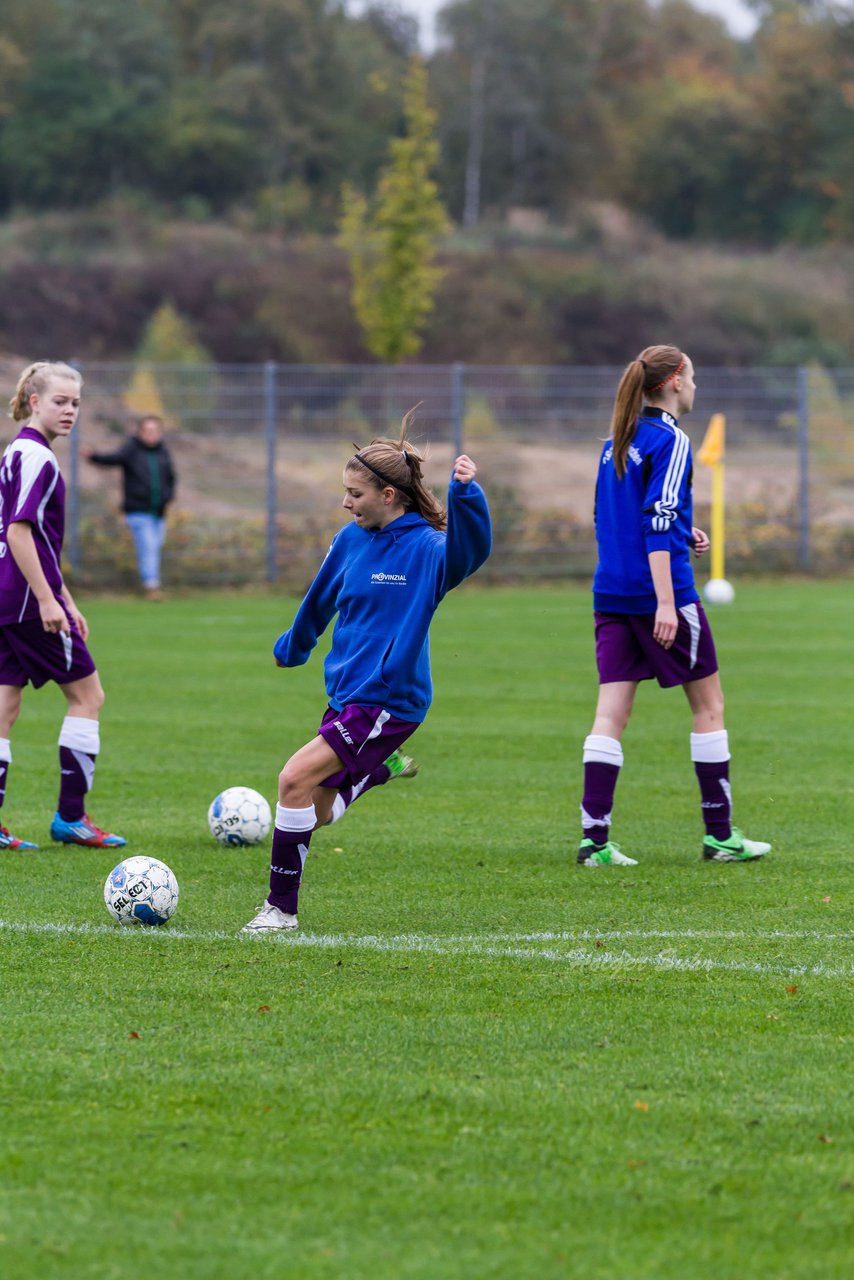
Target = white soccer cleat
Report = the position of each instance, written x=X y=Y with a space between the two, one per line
x=271 y=920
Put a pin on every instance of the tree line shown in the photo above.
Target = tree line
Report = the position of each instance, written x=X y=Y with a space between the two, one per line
x=270 y=108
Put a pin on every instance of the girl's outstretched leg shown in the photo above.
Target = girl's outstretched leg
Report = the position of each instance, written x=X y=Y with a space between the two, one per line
x=296 y=817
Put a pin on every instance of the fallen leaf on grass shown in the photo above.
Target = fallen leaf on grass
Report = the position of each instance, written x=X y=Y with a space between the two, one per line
x=635 y=1164
x=599 y=943
x=827 y=898
x=641 y=1106
x=791 y=990
x=825 y=1138
x=264 y=1008
x=133 y=1035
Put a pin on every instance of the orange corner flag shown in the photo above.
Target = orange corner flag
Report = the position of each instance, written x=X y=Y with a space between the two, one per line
x=713 y=447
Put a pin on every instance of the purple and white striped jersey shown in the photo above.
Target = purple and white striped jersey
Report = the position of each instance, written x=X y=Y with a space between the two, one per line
x=31 y=489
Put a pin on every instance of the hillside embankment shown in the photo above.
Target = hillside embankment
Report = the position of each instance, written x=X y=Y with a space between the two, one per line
x=86 y=285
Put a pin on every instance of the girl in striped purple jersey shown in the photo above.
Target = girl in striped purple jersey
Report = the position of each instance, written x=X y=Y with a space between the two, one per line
x=649 y=621
x=42 y=632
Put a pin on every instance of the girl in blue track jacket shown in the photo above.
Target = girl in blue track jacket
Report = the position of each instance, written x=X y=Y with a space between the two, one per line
x=649 y=619
x=385 y=575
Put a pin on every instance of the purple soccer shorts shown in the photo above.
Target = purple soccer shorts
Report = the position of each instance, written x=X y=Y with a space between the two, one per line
x=626 y=650
x=362 y=738
x=29 y=654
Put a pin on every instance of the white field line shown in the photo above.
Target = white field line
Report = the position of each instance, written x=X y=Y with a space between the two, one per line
x=499 y=946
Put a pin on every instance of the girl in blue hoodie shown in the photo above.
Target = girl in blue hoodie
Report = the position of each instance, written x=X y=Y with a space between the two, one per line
x=384 y=575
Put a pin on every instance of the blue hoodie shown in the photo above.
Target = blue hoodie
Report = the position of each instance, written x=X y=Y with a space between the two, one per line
x=385 y=585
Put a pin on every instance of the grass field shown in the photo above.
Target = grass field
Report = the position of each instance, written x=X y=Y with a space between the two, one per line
x=476 y=1060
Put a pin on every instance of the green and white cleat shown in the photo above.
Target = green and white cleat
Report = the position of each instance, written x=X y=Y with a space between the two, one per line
x=603 y=855
x=737 y=849
x=400 y=766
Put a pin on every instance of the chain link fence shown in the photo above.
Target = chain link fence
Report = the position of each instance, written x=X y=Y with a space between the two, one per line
x=259 y=452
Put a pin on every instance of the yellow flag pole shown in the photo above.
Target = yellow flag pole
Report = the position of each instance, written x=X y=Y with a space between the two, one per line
x=712 y=450
x=718 y=521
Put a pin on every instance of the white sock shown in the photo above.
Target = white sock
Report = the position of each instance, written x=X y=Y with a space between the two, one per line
x=80 y=734
x=295 y=819
x=600 y=748
x=710 y=748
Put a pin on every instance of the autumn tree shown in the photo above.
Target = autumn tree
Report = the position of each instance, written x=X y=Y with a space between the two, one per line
x=391 y=241
x=169 y=339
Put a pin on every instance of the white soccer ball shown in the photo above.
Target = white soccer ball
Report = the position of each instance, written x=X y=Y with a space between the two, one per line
x=239 y=816
x=141 y=890
x=719 y=591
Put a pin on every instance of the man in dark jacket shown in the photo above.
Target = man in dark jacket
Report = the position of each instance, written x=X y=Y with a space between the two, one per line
x=149 y=485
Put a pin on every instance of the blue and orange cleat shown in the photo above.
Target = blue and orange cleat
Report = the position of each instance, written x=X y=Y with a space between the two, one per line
x=8 y=841
x=84 y=832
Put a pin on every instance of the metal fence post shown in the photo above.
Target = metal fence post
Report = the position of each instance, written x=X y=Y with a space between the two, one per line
x=270 y=414
x=803 y=467
x=458 y=405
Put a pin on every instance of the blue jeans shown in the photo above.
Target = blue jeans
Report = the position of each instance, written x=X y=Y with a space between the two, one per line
x=148 y=535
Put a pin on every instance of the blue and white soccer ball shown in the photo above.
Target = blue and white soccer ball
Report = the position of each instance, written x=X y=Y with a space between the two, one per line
x=239 y=816
x=141 y=890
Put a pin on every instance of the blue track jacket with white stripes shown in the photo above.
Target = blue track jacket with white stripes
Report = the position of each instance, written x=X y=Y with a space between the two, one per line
x=650 y=509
